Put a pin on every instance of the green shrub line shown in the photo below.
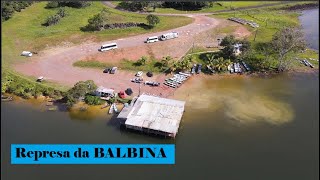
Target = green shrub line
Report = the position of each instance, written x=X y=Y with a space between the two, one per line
x=18 y=85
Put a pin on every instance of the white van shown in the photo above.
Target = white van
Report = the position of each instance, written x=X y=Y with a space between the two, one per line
x=26 y=53
x=107 y=47
x=152 y=39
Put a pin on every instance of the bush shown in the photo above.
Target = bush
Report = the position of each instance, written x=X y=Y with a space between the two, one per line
x=93 y=100
x=52 y=4
x=52 y=20
x=97 y=22
x=152 y=19
x=62 y=12
x=9 y=7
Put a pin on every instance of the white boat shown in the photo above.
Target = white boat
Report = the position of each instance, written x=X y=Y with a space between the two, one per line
x=111 y=109
x=235 y=67
x=115 y=108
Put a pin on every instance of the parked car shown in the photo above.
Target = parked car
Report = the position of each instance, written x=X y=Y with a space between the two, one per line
x=122 y=95
x=137 y=80
x=26 y=53
x=107 y=70
x=199 y=68
x=113 y=70
x=40 y=79
x=193 y=69
x=152 y=83
x=149 y=74
x=139 y=74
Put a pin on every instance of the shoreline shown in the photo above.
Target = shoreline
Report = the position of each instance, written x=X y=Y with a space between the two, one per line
x=39 y=103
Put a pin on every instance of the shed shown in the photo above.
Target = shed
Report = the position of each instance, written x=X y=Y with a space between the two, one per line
x=154 y=115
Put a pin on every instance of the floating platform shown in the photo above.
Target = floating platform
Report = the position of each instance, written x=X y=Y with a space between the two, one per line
x=153 y=115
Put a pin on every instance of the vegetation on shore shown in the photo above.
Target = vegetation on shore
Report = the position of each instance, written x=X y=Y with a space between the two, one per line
x=23 y=87
x=262 y=54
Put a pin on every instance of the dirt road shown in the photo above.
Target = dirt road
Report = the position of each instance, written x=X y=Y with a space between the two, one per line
x=56 y=64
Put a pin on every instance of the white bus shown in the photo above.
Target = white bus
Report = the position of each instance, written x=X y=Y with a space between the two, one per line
x=107 y=47
x=152 y=39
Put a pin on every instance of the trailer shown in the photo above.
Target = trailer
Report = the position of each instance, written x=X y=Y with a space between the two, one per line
x=167 y=36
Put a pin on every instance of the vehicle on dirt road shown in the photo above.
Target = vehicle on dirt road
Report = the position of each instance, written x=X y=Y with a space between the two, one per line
x=113 y=70
x=199 y=68
x=122 y=95
x=152 y=83
x=107 y=47
x=139 y=74
x=137 y=80
x=26 y=53
x=167 y=36
x=152 y=39
x=40 y=79
x=107 y=70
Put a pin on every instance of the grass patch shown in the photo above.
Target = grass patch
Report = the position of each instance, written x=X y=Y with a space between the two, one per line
x=152 y=65
x=269 y=21
x=25 y=32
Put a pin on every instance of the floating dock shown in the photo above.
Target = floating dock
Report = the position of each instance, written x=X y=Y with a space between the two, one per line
x=153 y=115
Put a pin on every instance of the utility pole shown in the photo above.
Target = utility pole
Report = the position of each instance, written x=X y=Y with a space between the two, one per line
x=139 y=89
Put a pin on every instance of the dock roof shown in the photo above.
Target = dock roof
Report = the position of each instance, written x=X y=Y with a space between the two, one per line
x=155 y=113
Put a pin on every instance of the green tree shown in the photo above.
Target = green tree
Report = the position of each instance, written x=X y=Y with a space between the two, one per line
x=166 y=62
x=62 y=12
x=152 y=20
x=52 y=4
x=286 y=42
x=92 y=100
x=52 y=20
x=142 y=60
x=97 y=22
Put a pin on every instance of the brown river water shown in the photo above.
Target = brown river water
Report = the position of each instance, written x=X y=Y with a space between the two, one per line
x=233 y=128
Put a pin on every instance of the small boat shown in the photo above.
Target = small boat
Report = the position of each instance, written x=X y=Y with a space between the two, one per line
x=52 y=108
x=305 y=62
x=184 y=74
x=115 y=108
x=231 y=69
x=245 y=66
x=309 y=64
x=235 y=67
x=6 y=98
x=111 y=109
x=239 y=68
x=211 y=70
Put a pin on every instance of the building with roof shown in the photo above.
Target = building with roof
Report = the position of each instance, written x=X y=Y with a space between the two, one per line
x=154 y=115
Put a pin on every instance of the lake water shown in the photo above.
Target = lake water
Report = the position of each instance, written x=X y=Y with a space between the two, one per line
x=247 y=128
x=310 y=24
x=233 y=128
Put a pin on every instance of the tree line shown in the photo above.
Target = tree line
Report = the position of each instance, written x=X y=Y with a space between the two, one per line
x=276 y=55
x=8 y=8
x=146 y=5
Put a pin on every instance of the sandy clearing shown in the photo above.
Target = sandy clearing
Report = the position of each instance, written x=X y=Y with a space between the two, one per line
x=56 y=64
